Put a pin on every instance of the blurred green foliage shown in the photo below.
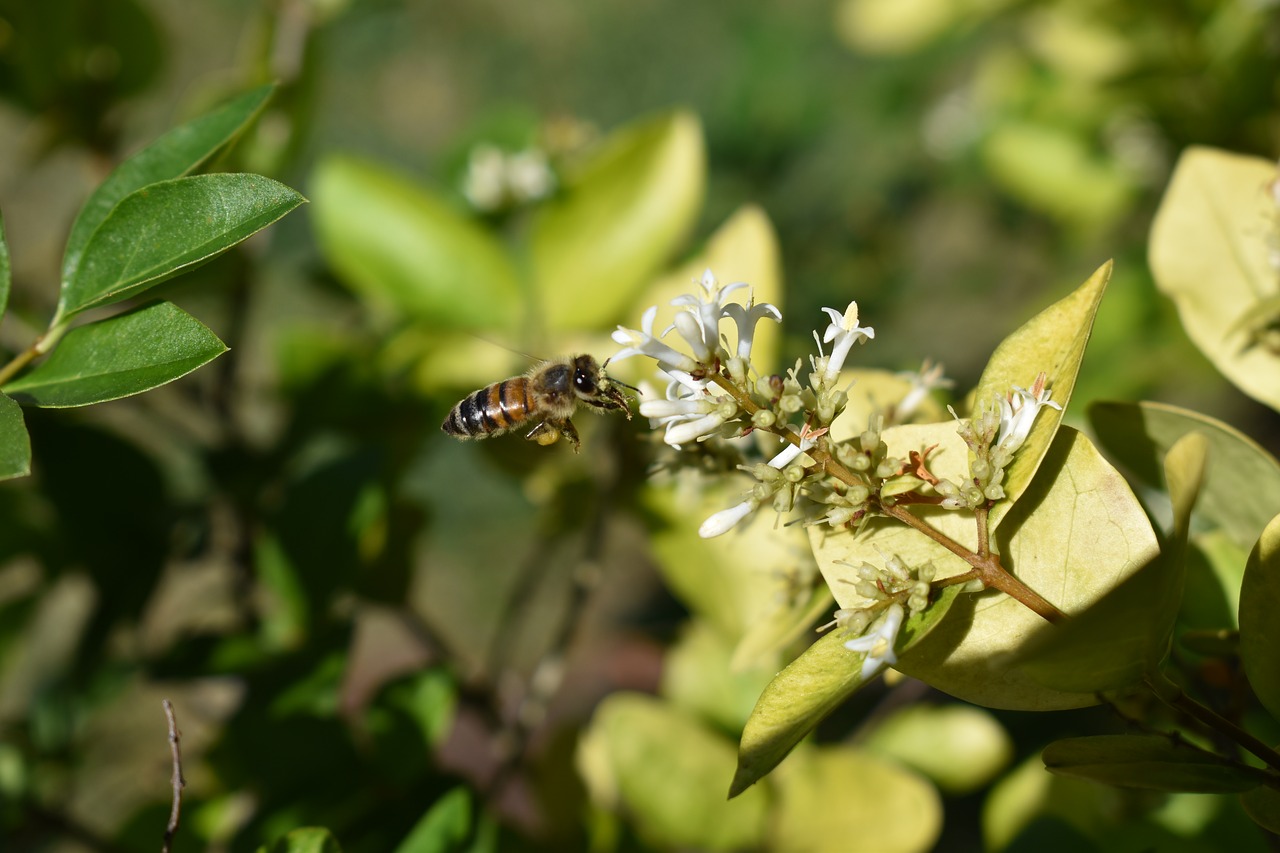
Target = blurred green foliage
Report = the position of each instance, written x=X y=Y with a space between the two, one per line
x=426 y=645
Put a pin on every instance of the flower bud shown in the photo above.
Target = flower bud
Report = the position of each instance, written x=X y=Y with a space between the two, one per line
x=763 y=419
x=794 y=473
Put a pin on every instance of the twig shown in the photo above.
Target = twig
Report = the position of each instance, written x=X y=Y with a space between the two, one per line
x=178 y=782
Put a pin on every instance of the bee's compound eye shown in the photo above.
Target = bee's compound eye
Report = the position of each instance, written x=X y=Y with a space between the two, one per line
x=584 y=381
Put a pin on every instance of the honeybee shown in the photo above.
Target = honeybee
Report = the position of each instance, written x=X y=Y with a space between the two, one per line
x=549 y=394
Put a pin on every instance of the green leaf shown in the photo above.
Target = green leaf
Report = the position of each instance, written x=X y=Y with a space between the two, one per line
x=617 y=221
x=1263 y=806
x=696 y=676
x=1209 y=253
x=959 y=747
x=444 y=827
x=810 y=688
x=1139 y=435
x=397 y=244
x=15 y=444
x=117 y=357
x=1125 y=635
x=173 y=155
x=732 y=581
x=168 y=228
x=836 y=798
x=311 y=839
x=1148 y=761
x=6 y=273
x=1259 y=629
x=1077 y=533
x=1052 y=342
x=666 y=770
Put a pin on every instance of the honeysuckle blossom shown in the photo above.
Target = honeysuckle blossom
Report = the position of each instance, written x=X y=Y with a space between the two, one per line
x=689 y=410
x=644 y=342
x=842 y=333
x=929 y=377
x=1018 y=413
x=724 y=520
x=706 y=311
x=745 y=318
x=878 y=643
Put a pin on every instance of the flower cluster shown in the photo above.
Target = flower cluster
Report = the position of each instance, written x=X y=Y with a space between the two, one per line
x=495 y=179
x=994 y=435
x=714 y=393
x=890 y=595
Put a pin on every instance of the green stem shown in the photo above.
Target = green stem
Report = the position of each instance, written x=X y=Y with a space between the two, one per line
x=42 y=345
x=1174 y=696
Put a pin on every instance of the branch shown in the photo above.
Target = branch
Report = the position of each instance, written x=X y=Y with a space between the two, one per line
x=178 y=782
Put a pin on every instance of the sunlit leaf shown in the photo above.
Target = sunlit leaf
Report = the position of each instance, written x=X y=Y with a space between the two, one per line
x=119 y=356
x=1080 y=533
x=667 y=771
x=1259 y=628
x=166 y=228
x=15 y=444
x=782 y=628
x=810 y=688
x=835 y=798
x=959 y=747
x=1148 y=761
x=697 y=677
x=1209 y=253
x=619 y=218
x=1125 y=635
x=309 y=839
x=173 y=155
x=736 y=580
x=444 y=827
x=1031 y=795
x=396 y=243
x=1139 y=435
x=1053 y=168
x=1052 y=342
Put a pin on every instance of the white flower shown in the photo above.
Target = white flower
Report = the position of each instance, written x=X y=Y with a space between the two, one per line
x=724 y=520
x=878 y=645
x=529 y=176
x=929 y=377
x=706 y=311
x=842 y=333
x=1018 y=413
x=689 y=411
x=745 y=318
x=484 y=184
x=643 y=342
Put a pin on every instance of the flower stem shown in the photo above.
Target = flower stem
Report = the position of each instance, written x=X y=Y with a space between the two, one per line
x=42 y=345
x=1174 y=696
x=986 y=566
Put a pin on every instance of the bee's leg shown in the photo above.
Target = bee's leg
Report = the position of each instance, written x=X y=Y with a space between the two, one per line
x=570 y=432
x=544 y=433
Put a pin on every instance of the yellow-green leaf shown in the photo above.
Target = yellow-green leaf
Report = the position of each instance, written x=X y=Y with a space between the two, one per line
x=836 y=798
x=667 y=771
x=399 y=246
x=618 y=219
x=1259 y=628
x=1209 y=254
x=1080 y=533
x=1052 y=342
x=1125 y=635
x=1139 y=435
x=810 y=688
x=960 y=747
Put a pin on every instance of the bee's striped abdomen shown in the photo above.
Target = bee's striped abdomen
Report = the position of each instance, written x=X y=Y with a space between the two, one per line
x=491 y=410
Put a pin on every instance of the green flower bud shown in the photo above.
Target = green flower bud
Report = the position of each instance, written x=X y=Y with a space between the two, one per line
x=763 y=419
